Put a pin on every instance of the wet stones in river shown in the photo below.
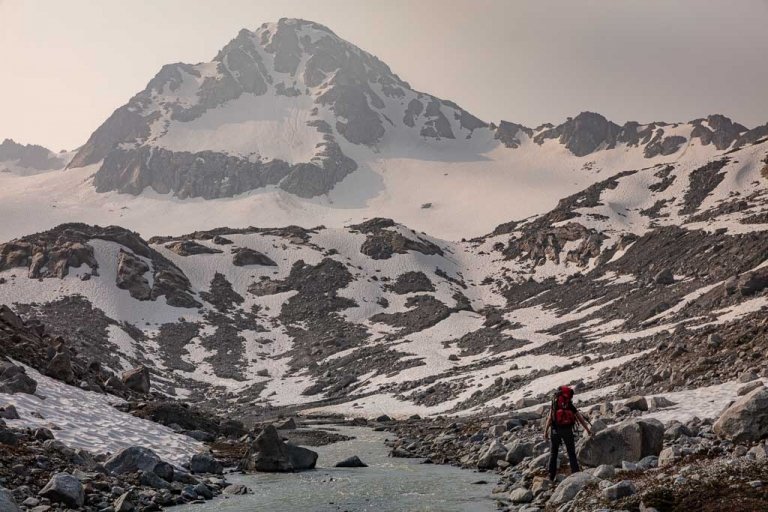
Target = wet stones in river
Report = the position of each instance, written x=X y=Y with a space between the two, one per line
x=352 y=462
x=236 y=490
x=269 y=453
x=205 y=463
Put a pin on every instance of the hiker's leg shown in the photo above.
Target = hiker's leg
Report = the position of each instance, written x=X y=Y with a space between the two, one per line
x=554 y=448
x=570 y=447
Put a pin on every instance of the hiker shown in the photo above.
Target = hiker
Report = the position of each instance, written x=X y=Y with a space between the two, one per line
x=562 y=417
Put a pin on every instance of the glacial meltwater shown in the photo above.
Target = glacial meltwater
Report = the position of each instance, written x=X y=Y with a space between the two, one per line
x=386 y=485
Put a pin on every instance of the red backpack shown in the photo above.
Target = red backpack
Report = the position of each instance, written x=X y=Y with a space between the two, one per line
x=562 y=409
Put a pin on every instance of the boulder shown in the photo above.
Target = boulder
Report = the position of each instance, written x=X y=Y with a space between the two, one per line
x=301 y=458
x=124 y=503
x=604 y=471
x=521 y=495
x=14 y=379
x=137 y=380
x=636 y=403
x=244 y=256
x=669 y=455
x=620 y=490
x=659 y=402
x=8 y=317
x=748 y=377
x=64 y=488
x=8 y=412
x=570 y=487
x=268 y=453
x=352 y=462
x=205 y=463
x=7 y=503
x=747 y=419
x=60 y=367
x=748 y=388
x=518 y=451
x=133 y=459
x=150 y=479
x=236 y=490
x=491 y=455
x=664 y=277
x=630 y=440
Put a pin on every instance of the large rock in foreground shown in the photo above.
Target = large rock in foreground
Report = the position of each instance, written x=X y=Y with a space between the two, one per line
x=629 y=440
x=747 y=419
x=270 y=454
x=570 y=487
x=66 y=489
x=7 y=503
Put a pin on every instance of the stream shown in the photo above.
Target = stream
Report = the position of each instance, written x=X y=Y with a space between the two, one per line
x=387 y=485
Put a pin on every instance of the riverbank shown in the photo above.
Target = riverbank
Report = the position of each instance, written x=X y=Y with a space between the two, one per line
x=388 y=484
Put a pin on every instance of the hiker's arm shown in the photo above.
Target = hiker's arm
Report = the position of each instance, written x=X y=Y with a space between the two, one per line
x=548 y=425
x=583 y=423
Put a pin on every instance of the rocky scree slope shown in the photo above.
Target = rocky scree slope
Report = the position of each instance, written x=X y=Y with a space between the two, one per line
x=652 y=279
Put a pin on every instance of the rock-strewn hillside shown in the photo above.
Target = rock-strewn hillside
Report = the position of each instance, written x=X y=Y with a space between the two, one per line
x=651 y=278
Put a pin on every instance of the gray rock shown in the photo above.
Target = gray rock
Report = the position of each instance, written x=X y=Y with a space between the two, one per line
x=8 y=412
x=491 y=455
x=60 y=368
x=759 y=452
x=137 y=380
x=748 y=388
x=664 y=277
x=604 y=471
x=7 y=503
x=205 y=463
x=636 y=403
x=244 y=256
x=268 y=453
x=131 y=460
x=236 y=490
x=352 y=462
x=14 y=379
x=289 y=424
x=669 y=455
x=630 y=440
x=659 y=402
x=64 y=488
x=748 y=377
x=131 y=272
x=620 y=490
x=124 y=503
x=518 y=451
x=747 y=419
x=569 y=488
x=150 y=479
x=521 y=495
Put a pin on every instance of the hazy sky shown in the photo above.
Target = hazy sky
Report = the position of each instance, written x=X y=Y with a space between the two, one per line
x=68 y=65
